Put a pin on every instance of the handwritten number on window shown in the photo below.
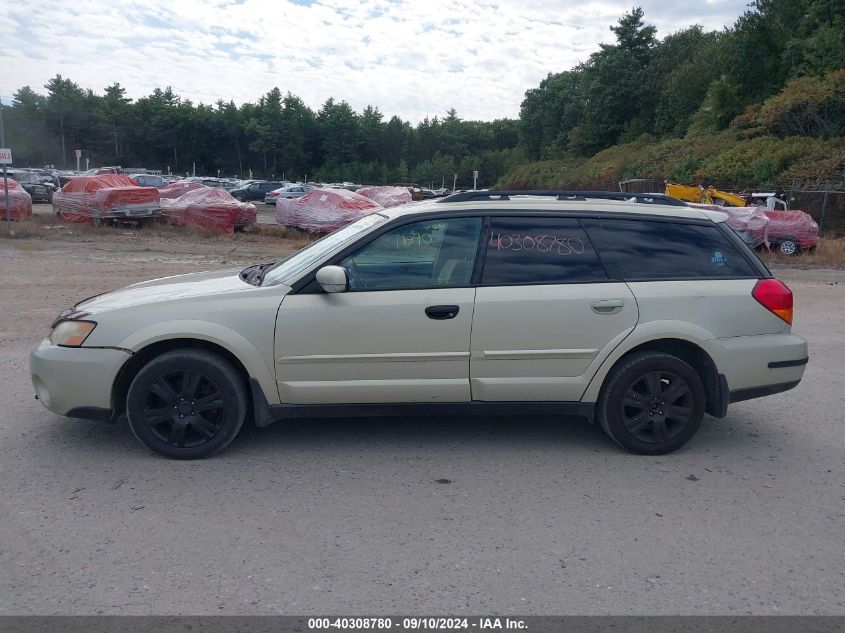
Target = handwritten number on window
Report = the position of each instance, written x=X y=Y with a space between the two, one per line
x=562 y=246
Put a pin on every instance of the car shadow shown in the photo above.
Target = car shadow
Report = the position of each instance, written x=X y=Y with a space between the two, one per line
x=519 y=432
x=505 y=434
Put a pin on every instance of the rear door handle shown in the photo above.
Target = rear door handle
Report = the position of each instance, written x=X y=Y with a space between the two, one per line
x=441 y=313
x=608 y=306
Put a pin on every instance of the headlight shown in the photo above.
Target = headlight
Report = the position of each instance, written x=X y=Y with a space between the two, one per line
x=71 y=333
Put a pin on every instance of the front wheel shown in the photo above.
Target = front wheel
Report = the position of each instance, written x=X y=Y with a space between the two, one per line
x=652 y=403
x=186 y=404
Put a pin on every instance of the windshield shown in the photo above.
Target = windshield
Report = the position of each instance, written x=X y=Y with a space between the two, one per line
x=301 y=260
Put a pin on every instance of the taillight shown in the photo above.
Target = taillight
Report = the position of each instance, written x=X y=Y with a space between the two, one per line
x=775 y=296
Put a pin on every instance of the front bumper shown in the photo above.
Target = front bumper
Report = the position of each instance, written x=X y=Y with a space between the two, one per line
x=131 y=212
x=70 y=380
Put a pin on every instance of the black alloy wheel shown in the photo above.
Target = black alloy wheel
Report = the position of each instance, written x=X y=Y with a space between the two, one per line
x=657 y=406
x=186 y=404
x=184 y=409
x=651 y=403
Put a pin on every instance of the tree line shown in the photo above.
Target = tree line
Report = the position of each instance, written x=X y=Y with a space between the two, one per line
x=777 y=71
x=696 y=82
x=276 y=136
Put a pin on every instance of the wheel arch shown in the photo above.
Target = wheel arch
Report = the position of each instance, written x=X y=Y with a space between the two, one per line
x=228 y=344
x=688 y=350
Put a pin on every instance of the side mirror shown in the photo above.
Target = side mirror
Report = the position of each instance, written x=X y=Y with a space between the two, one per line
x=333 y=278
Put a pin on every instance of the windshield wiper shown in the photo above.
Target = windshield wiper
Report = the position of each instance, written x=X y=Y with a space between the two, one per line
x=254 y=274
x=258 y=277
x=244 y=274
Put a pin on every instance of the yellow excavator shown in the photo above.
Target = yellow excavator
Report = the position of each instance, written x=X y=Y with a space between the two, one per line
x=710 y=195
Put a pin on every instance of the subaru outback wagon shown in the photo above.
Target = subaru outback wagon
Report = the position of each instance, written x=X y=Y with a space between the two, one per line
x=639 y=313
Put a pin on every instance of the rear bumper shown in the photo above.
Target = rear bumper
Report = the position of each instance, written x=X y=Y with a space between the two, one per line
x=759 y=364
x=758 y=392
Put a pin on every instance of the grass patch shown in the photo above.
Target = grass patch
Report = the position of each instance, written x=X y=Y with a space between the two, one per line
x=48 y=227
x=830 y=253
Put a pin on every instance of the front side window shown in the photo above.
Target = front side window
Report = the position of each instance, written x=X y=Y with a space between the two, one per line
x=539 y=251
x=288 y=269
x=642 y=250
x=430 y=254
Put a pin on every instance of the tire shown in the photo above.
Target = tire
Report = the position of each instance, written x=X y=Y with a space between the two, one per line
x=789 y=247
x=634 y=410
x=186 y=404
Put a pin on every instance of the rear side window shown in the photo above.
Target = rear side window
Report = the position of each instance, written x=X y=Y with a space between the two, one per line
x=642 y=250
x=539 y=251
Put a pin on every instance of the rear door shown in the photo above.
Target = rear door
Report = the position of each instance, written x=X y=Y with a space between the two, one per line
x=546 y=313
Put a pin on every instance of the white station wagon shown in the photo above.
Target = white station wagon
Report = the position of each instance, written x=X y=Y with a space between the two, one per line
x=637 y=312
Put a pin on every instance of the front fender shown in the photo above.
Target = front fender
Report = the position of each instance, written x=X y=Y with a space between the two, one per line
x=238 y=345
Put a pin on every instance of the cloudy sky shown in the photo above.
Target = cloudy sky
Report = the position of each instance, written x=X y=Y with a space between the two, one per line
x=411 y=58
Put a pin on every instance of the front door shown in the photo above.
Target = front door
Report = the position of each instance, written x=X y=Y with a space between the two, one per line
x=401 y=332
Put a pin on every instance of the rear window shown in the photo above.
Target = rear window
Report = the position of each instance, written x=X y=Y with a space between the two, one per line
x=642 y=250
x=539 y=251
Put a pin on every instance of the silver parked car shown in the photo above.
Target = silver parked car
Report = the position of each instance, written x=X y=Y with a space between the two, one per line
x=290 y=191
x=638 y=314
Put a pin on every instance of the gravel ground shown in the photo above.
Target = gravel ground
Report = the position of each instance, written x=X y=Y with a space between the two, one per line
x=448 y=515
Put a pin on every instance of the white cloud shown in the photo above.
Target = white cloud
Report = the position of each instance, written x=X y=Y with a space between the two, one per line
x=413 y=59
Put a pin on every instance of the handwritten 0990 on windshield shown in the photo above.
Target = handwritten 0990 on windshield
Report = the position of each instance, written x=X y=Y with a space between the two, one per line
x=554 y=245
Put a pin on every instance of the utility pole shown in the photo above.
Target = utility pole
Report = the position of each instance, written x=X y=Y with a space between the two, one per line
x=5 y=175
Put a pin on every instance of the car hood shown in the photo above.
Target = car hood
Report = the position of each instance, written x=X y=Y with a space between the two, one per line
x=179 y=287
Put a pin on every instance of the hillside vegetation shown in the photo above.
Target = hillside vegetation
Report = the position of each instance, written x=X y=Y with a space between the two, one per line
x=756 y=105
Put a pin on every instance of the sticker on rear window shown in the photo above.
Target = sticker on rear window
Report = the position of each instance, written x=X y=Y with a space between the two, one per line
x=718 y=259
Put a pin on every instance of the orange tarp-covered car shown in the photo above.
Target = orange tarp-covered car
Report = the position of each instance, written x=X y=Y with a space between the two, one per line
x=176 y=189
x=105 y=197
x=20 y=202
x=324 y=210
x=209 y=207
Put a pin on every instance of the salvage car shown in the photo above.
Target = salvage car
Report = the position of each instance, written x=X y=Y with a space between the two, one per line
x=791 y=232
x=291 y=191
x=323 y=210
x=149 y=180
x=256 y=190
x=106 y=198
x=209 y=207
x=20 y=202
x=443 y=308
x=36 y=186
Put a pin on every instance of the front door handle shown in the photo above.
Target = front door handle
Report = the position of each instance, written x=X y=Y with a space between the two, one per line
x=441 y=313
x=608 y=306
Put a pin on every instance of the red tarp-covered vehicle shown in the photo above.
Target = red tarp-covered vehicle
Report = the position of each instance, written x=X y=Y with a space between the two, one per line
x=790 y=232
x=106 y=197
x=323 y=210
x=386 y=196
x=20 y=202
x=176 y=189
x=209 y=207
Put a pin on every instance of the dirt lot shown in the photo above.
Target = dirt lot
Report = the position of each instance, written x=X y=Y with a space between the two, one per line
x=539 y=516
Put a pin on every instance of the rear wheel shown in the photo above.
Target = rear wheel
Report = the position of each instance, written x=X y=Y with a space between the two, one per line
x=652 y=403
x=186 y=404
x=788 y=247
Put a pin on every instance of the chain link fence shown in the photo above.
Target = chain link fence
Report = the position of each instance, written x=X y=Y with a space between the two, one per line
x=827 y=208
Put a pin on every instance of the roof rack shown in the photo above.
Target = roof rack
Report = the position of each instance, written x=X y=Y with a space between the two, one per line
x=642 y=198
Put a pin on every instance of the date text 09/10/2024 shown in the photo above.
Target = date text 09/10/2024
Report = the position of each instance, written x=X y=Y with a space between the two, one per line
x=416 y=623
